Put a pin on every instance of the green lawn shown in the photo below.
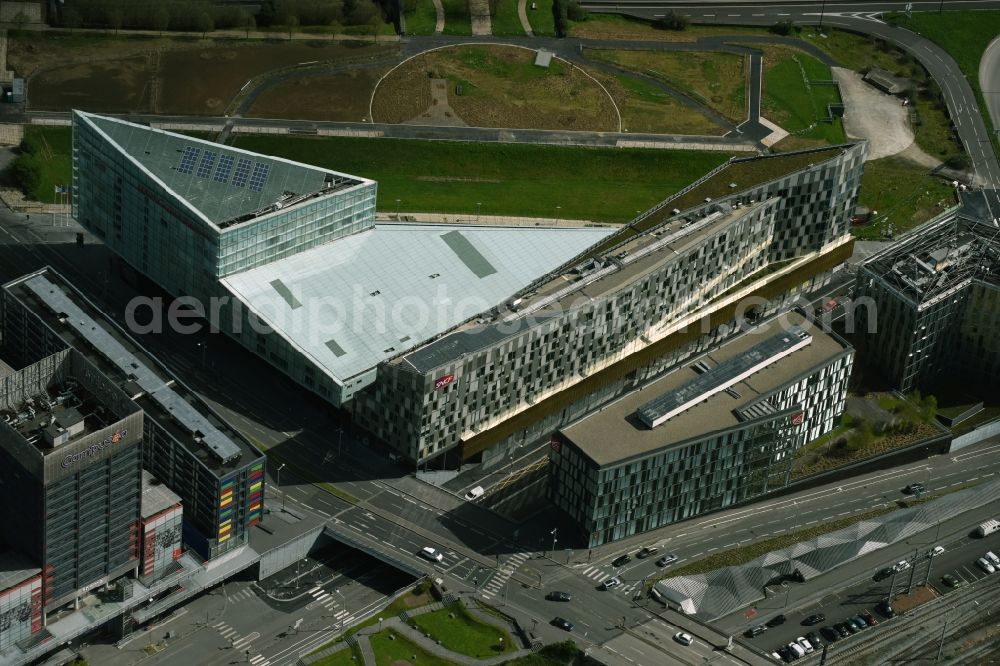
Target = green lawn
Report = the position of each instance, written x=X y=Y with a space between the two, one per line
x=456 y=17
x=420 y=17
x=789 y=100
x=964 y=35
x=391 y=649
x=904 y=195
x=541 y=19
x=602 y=184
x=56 y=162
x=349 y=656
x=458 y=631
x=506 y=21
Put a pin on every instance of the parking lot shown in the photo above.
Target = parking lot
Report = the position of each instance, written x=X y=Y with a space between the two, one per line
x=953 y=568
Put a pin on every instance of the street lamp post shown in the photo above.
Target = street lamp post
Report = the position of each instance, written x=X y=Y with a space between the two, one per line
x=204 y=351
x=479 y=210
x=397 y=210
x=822 y=12
x=340 y=441
x=554 y=529
x=277 y=483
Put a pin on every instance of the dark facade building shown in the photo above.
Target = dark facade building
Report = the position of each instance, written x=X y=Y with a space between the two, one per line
x=217 y=473
x=70 y=455
x=720 y=430
x=928 y=307
x=670 y=284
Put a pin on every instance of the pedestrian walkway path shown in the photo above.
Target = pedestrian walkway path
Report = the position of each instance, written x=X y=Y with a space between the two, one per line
x=439 y=21
x=479 y=14
x=496 y=582
x=522 y=13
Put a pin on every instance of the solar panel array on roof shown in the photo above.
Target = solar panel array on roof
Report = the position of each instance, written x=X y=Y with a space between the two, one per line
x=207 y=161
x=242 y=172
x=722 y=376
x=259 y=176
x=188 y=159
x=192 y=420
x=224 y=169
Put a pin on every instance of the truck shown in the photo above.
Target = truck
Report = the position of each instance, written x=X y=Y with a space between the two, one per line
x=989 y=527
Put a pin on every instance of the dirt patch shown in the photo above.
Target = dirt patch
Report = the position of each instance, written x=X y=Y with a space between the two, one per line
x=123 y=85
x=338 y=97
x=872 y=114
x=440 y=112
x=496 y=86
x=159 y=75
x=907 y=602
x=417 y=600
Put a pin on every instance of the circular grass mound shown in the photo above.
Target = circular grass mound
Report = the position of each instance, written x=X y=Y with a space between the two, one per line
x=492 y=86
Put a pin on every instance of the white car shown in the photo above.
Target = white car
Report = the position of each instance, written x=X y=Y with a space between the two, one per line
x=984 y=564
x=992 y=558
x=776 y=656
x=683 y=639
x=611 y=583
x=938 y=550
x=806 y=645
x=796 y=650
x=902 y=565
x=431 y=554
x=475 y=493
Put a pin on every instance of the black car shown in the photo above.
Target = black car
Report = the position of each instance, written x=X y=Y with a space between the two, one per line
x=830 y=634
x=785 y=653
x=882 y=574
x=646 y=552
x=885 y=610
x=813 y=619
x=755 y=630
x=814 y=640
x=621 y=561
x=558 y=596
x=914 y=488
x=841 y=629
x=562 y=624
x=776 y=620
x=851 y=627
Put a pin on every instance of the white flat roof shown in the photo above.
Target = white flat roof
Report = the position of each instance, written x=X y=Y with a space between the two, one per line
x=351 y=303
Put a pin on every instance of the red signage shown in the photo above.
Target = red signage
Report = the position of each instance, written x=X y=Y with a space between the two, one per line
x=441 y=382
x=555 y=444
x=797 y=419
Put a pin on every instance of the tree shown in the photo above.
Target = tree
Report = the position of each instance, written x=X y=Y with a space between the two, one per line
x=291 y=22
x=161 y=19
x=363 y=12
x=575 y=12
x=783 y=27
x=671 y=21
x=247 y=21
x=27 y=173
x=71 y=18
x=375 y=22
x=204 y=23
x=115 y=18
x=559 y=18
x=20 y=20
x=960 y=162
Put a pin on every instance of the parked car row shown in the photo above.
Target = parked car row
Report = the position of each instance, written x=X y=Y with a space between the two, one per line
x=989 y=563
x=803 y=645
x=647 y=551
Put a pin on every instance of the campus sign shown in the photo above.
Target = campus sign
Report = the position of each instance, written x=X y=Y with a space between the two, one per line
x=94 y=449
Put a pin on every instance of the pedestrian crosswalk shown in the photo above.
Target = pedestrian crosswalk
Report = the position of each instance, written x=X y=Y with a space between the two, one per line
x=236 y=639
x=496 y=582
x=259 y=660
x=245 y=593
x=598 y=575
x=327 y=601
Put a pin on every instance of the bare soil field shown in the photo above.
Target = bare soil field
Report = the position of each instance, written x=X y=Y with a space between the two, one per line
x=178 y=76
x=337 y=97
x=496 y=86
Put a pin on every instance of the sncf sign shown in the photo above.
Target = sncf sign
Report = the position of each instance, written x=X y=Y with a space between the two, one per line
x=441 y=382
x=797 y=419
x=94 y=449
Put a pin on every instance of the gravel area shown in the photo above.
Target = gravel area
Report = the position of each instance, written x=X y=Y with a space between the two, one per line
x=873 y=115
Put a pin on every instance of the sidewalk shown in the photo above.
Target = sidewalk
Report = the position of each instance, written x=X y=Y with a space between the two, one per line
x=486 y=220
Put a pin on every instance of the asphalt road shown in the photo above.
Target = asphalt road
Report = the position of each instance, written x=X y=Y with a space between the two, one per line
x=859 y=17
